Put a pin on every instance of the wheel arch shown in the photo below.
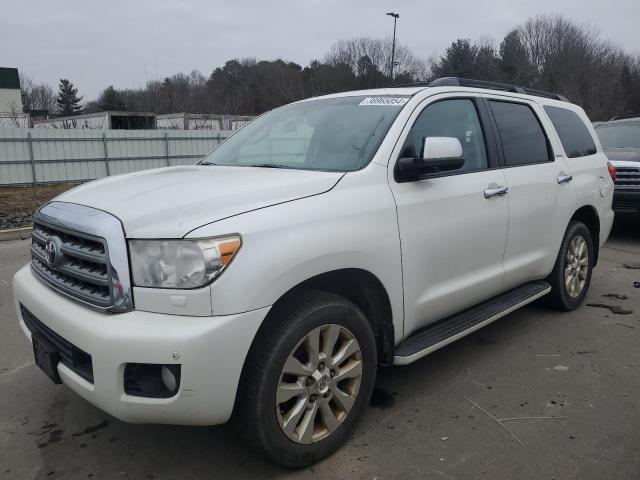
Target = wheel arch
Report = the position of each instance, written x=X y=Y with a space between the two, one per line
x=362 y=288
x=588 y=215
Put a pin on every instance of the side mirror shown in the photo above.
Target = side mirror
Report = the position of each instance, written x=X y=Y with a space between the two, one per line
x=439 y=154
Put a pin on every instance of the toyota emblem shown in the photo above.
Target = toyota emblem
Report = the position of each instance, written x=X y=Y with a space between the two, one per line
x=51 y=251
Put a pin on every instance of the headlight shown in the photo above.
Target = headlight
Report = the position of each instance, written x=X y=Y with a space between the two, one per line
x=180 y=263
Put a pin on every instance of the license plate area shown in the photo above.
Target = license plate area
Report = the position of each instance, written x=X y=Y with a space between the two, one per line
x=46 y=357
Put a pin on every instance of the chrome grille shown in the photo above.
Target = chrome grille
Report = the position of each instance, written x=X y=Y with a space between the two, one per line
x=625 y=206
x=627 y=178
x=77 y=265
x=81 y=252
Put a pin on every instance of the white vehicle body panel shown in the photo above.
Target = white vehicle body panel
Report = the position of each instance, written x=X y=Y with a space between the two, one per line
x=352 y=226
x=443 y=217
x=591 y=181
x=539 y=211
x=206 y=394
x=194 y=195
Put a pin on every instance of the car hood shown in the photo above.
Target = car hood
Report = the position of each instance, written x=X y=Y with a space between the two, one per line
x=623 y=154
x=170 y=202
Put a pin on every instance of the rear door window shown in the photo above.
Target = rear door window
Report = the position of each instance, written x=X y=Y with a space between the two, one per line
x=523 y=139
x=576 y=139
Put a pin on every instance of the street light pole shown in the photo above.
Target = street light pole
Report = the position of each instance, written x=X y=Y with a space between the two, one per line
x=393 y=46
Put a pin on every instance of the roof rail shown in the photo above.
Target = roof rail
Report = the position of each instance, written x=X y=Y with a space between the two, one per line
x=505 y=87
x=412 y=84
x=622 y=117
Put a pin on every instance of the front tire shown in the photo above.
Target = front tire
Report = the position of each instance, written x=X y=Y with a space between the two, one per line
x=307 y=380
x=571 y=274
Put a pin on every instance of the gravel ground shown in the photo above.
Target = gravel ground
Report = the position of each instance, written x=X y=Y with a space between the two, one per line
x=17 y=204
x=443 y=417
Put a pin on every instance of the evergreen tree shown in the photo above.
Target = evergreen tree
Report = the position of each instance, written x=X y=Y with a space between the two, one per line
x=459 y=60
x=110 y=99
x=369 y=76
x=515 y=65
x=68 y=101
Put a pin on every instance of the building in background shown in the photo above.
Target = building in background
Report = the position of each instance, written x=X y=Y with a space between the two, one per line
x=119 y=120
x=123 y=120
x=190 y=121
x=201 y=121
x=11 y=109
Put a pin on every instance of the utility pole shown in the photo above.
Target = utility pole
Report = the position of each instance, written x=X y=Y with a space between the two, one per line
x=393 y=46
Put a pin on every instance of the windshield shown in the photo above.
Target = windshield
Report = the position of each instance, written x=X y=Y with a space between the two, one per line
x=623 y=135
x=337 y=134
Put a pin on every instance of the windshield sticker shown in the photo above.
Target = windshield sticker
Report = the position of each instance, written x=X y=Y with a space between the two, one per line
x=384 y=101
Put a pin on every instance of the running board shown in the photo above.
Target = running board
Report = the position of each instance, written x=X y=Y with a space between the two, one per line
x=436 y=335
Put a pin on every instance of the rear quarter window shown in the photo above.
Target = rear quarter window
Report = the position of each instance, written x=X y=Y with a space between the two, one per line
x=576 y=139
x=523 y=139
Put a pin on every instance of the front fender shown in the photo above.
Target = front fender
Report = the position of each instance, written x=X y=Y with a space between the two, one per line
x=352 y=226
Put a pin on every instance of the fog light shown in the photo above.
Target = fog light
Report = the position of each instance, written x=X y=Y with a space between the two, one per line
x=168 y=378
x=151 y=380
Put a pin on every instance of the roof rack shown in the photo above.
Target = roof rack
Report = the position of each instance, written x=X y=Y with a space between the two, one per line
x=623 y=117
x=505 y=87
x=412 y=84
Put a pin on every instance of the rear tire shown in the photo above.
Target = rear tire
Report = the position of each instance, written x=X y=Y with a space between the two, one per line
x=307 y=379
x=571 y=274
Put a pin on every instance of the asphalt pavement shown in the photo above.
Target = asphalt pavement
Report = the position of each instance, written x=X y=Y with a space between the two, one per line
x=467 y=411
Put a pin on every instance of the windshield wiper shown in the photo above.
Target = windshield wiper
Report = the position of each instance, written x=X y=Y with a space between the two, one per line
x=207 y=163
x=270 y=165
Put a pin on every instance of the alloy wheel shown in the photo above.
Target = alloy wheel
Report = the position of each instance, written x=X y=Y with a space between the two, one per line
x=319 y=384
x=577 y=266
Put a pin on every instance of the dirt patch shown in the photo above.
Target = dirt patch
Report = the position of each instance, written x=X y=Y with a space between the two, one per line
x=17 y=204
x=617 y=296
x=614 y=308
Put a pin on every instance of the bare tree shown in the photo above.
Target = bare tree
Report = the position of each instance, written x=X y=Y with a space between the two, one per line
x=378 y=51
x=548 y=52
x=16 y=118
x=573 y=60
x=42 y=97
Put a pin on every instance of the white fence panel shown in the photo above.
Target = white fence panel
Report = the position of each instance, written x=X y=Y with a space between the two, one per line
x=32 y=156
x=67 y=155
x=186 y=146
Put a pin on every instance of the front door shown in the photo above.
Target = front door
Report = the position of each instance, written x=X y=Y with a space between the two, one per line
x=452 y=232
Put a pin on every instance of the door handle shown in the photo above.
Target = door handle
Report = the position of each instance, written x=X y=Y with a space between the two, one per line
x=497 y=191
x=562 y=178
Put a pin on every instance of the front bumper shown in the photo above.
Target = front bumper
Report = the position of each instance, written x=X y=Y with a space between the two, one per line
x=626 y=201
x=210 y=350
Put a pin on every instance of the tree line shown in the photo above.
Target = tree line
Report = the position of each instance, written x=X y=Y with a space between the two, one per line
x=547 y=52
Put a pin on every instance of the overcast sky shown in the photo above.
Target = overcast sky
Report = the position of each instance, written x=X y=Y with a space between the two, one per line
x=126 y=43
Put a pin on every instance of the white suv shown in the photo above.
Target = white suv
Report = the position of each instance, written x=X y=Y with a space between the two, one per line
x=266 y=283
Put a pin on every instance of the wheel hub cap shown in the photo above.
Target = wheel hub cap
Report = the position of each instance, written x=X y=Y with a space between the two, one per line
x=577 y=266
x=323 y=385
x=319 y=384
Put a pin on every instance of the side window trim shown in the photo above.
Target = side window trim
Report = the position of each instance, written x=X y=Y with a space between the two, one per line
x=494 y=132
x=551 y=157
x=490 y=139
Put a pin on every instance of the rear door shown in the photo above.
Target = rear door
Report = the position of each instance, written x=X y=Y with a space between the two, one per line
x=540 y=195
x=587 y=166
x=452 y=237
